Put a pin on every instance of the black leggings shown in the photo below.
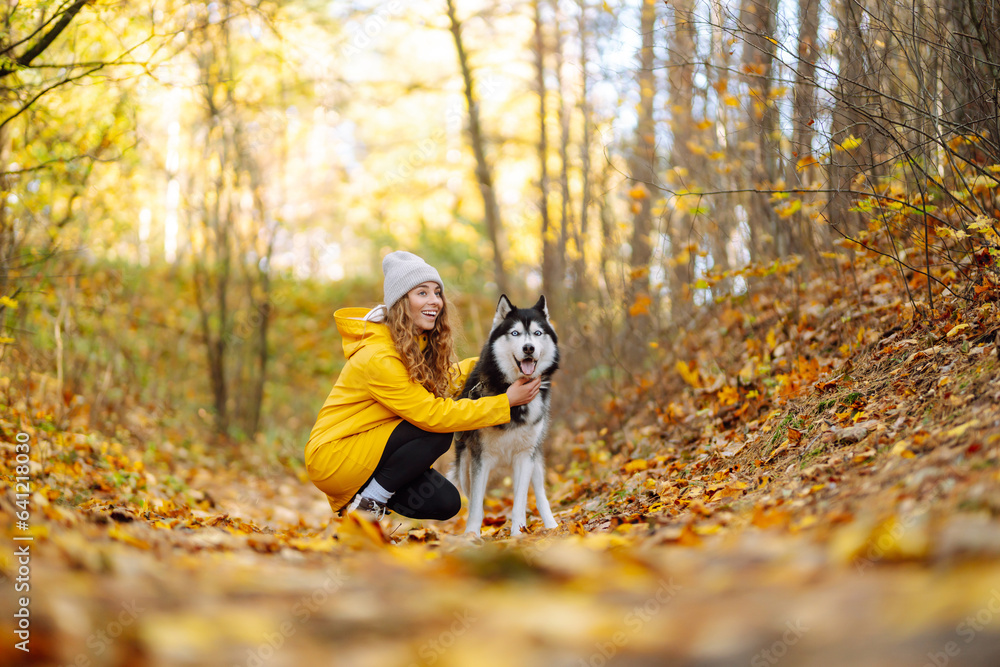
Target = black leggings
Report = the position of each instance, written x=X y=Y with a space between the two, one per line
x=419 y=491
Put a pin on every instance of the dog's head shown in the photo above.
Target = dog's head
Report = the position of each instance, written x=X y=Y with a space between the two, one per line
x=522 y=340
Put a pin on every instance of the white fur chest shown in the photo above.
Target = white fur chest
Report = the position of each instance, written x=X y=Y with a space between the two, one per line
x=502 y=444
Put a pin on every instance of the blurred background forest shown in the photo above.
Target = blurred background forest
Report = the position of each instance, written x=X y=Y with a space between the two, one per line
x=189 y=190
x=767 y=234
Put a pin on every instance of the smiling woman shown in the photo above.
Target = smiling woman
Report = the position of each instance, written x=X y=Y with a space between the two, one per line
x=391 y=414
x=425 y=302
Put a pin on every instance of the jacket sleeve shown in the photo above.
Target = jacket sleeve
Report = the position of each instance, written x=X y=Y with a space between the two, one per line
x=390 y=385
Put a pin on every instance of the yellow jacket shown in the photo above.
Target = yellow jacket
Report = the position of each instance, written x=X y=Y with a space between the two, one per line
x=373 y=394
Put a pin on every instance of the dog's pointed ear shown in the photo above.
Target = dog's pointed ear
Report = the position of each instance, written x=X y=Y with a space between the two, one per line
x=504 y=306
x=541 y=305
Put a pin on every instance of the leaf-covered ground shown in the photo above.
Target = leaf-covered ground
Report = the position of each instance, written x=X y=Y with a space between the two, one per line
x=818 y=484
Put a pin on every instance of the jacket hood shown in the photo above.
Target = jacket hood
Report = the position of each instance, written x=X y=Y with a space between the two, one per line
x=357 y=333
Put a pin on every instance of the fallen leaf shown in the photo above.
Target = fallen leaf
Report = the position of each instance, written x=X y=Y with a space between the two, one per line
x=118 y=533
x=959 y=431
x=956 y=329
x=635 y=465
x=902 y=448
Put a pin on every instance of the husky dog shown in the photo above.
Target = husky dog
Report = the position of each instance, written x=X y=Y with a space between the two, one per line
x=521 y=344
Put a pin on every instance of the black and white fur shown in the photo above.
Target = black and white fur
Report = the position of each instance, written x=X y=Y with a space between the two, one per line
x=522 y=343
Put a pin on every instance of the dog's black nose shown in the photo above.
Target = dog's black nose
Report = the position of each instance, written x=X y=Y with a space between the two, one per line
x=528 y=348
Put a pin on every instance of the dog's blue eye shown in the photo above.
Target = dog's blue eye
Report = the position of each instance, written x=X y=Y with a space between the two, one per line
x=538 y=333
x=515 y=333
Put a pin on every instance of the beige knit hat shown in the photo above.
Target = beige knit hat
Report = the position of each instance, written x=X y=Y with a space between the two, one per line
x=403 y=271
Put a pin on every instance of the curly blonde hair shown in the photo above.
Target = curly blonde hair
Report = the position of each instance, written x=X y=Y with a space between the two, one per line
x=431 y=368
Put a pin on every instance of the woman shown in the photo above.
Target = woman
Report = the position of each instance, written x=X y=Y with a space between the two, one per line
x=390 y=415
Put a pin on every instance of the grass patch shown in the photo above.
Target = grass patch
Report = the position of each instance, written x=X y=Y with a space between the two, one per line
x=809 y=456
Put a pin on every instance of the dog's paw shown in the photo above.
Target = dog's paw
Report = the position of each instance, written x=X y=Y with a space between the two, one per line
x=473 y=537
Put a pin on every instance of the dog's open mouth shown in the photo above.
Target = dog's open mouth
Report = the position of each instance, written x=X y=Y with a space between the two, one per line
x=527 y=365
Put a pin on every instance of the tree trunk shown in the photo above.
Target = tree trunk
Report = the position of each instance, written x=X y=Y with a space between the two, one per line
x=609 y=241
x=566 y=223
x=681 y=81
x=758 y=18
x=804 y=118
x=550 y=260
x=643 y=168
x=846 y=165
x=724 y=221
x=580 y=267
x=7 y=239
x=484 y=174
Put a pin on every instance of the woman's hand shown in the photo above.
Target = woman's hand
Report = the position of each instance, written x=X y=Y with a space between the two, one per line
x=523 y=391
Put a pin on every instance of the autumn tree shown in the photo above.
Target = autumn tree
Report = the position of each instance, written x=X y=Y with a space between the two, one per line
x=37 y=65
x=477 y=141
x=799 y=169
x=234 y=232
x=643 y=172
x=688 y=168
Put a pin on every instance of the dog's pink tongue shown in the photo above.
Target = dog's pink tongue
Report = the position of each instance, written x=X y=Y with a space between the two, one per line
x=527 y=366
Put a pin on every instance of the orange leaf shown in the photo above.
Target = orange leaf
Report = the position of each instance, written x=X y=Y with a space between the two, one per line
x=638 y=192
x=770 y=518
x=805 y=162
x=640 y=306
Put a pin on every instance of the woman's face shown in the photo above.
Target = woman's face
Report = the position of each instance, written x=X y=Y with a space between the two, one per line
x=426 y=303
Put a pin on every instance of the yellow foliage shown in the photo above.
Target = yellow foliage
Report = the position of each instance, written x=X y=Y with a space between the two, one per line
x=959 y=431
x=849 y=144
x=639 y=192
x=902 y=448
x=948 y=232
x=985 y=226
x=805 y=162
x=678 y=172
x=981 y=184
x=689 y=375
x=981 y=223
x=117 y=533
x=695 y=148
x=635 y=465
x=790 y=209
x=640 y=306
x=728 y=395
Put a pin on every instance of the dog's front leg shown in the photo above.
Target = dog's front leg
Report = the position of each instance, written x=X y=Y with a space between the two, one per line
x=479 y=473
x=522 y=480
x=541 y=500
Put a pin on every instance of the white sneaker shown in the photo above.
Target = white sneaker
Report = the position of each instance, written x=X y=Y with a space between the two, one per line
x=371 y=510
